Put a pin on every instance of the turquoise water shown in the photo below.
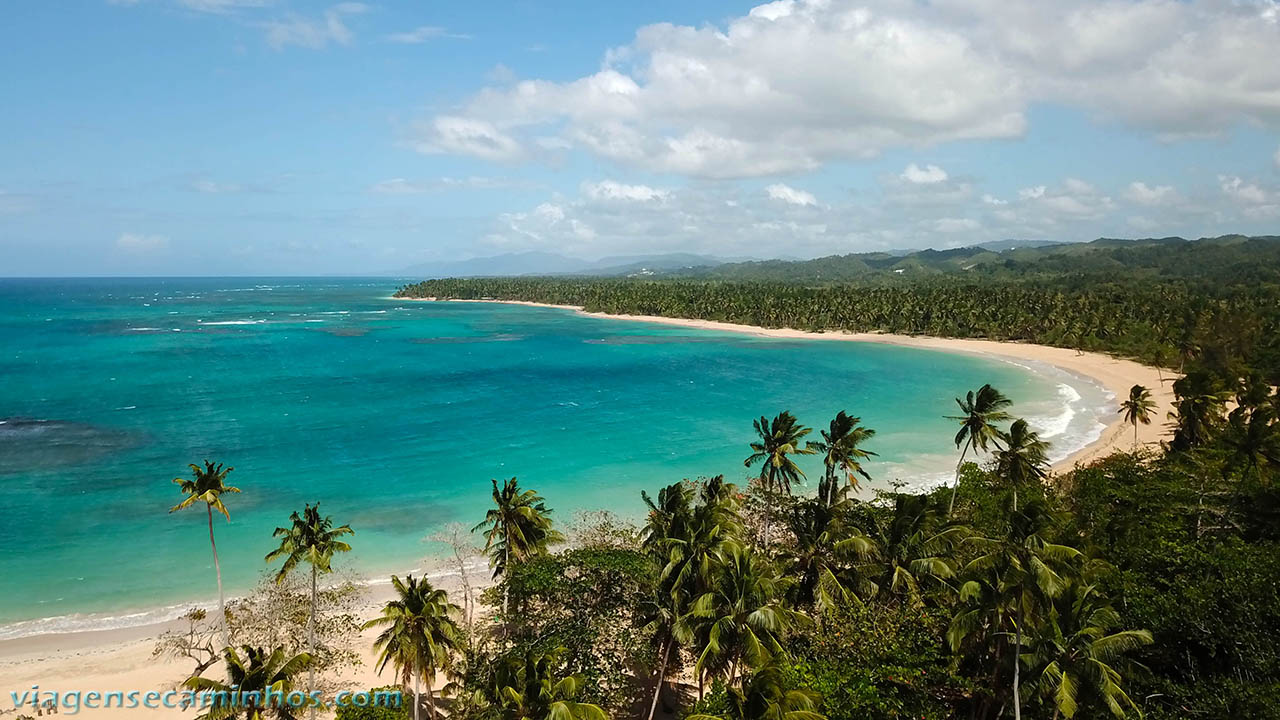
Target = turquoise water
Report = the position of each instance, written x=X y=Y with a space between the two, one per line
x=394 y=415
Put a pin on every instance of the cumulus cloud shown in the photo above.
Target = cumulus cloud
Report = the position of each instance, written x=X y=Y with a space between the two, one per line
x=1238 y=189
x=311 y=32
x=790 y=195
x=1143 y=194
x=138 y=242
x=726 y=101
x=611 y=190
x=928 y=174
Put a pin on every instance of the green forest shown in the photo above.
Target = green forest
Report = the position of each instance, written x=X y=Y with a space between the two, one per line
x=1146 y=584
x=1162 y=302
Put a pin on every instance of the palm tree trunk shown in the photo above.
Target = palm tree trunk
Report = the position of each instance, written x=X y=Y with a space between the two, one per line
x=416 y=702
x=222 y=604
x=1135 y=437
x=956 y=486
x=506 y=588
x=1017 y=666
x=662 y=675
x=311 y=631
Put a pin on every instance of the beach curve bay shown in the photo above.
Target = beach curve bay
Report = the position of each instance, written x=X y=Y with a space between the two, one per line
x=394 y=415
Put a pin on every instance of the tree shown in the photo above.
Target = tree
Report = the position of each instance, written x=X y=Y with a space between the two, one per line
x=1012 y=583
x=841 y=452
x=313 y=540
x=206 y=486
x=779 y=440
x=420 y=635
x=1024 y=459
x=665 y=537
x=531 y=688
x=518 y=528
x=740 y=620
x=1137 y=409
x=1078 y=653
x=1197 y=410
x=827 y=557
x=981 y=411
x=765 y=696
x=915 y=544
x=257 y=685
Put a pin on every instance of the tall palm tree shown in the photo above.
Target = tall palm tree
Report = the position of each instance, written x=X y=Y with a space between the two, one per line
x=257 y=685
x=420 y=635
x=741 y=619
x=1198 y=410
x=765 y=696
x=314 y=540
x=1078 y=651
x=828 y=557
x=666 y=536
x=1011 y=585
x=517 y=528
x=841 y=453
x=915 y=547
x=1254 y=436
x=1024 y=459
x=531 y=688
x=207 y=486
x=981 y=411
x=779 y=440
x=1137 y=409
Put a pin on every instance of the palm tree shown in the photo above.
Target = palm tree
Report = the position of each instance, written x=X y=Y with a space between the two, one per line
x=1198 y=410
x=420 y=636
x=1254 y=436
x=915 y=545
x=841 y=453
x=257 y=685
x=1012 y=582
x=530 y=688
x=665 y=536
x=518 y=528
x=827 y=556
x=1078 y=652
x=981 y=411
x=1137 y=409
x=206 y=486
x=740 y=620
x=778 y=441
x=1024 y=459
x=313 y=540
x=766 y=697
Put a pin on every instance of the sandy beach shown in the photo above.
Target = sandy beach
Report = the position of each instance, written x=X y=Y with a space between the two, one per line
x=122 y=659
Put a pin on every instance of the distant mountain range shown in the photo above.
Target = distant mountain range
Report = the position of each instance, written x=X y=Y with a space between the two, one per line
x=1000 y=256
x=545 y=263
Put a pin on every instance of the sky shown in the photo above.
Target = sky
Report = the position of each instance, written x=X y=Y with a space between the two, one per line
x=267 y=137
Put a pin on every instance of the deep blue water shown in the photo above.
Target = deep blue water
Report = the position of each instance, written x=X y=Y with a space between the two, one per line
x=394 y=415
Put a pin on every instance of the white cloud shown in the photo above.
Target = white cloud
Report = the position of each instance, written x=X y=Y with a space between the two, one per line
x=611 y=190
x=1032 y=192
x=424 y=33
x=138 y=242
x=313 y=33
x=1141 y=193
x=468 y=136
x=1242 y=191
x=954 y=225
x=790 y=195
x=928 y=174
x=993 y=200
x=727 y=101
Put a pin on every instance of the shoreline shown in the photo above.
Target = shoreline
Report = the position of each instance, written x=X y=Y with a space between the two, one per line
x=1115 y=375
x=121 y=657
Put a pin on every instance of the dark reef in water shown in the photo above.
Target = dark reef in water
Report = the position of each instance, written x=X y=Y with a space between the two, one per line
x=28 y=444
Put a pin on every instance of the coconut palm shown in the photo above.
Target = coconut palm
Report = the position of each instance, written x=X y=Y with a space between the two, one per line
x=981 y=411
x=1137 y=409
x=1078 y=652
x=841 y=453
x=531 y=688
x=765 y=696
x=420 y=635
x=1197 y=411
x=313 y=540
x=1253 y=434
x=740 y=620
x=1024 y=459
x=914 y=547
x=666 y=537
x=257 y=685
x=518 y=528
x=779 y=440
x=827 y=559
x=1011 y=586
x=206 y=485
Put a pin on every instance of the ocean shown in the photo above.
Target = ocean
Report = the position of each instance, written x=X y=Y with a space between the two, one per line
x=394 y=416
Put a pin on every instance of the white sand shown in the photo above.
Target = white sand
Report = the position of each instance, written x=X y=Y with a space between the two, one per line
x=121 y=659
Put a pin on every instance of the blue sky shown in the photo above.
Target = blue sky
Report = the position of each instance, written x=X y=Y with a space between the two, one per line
x=280 y=136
